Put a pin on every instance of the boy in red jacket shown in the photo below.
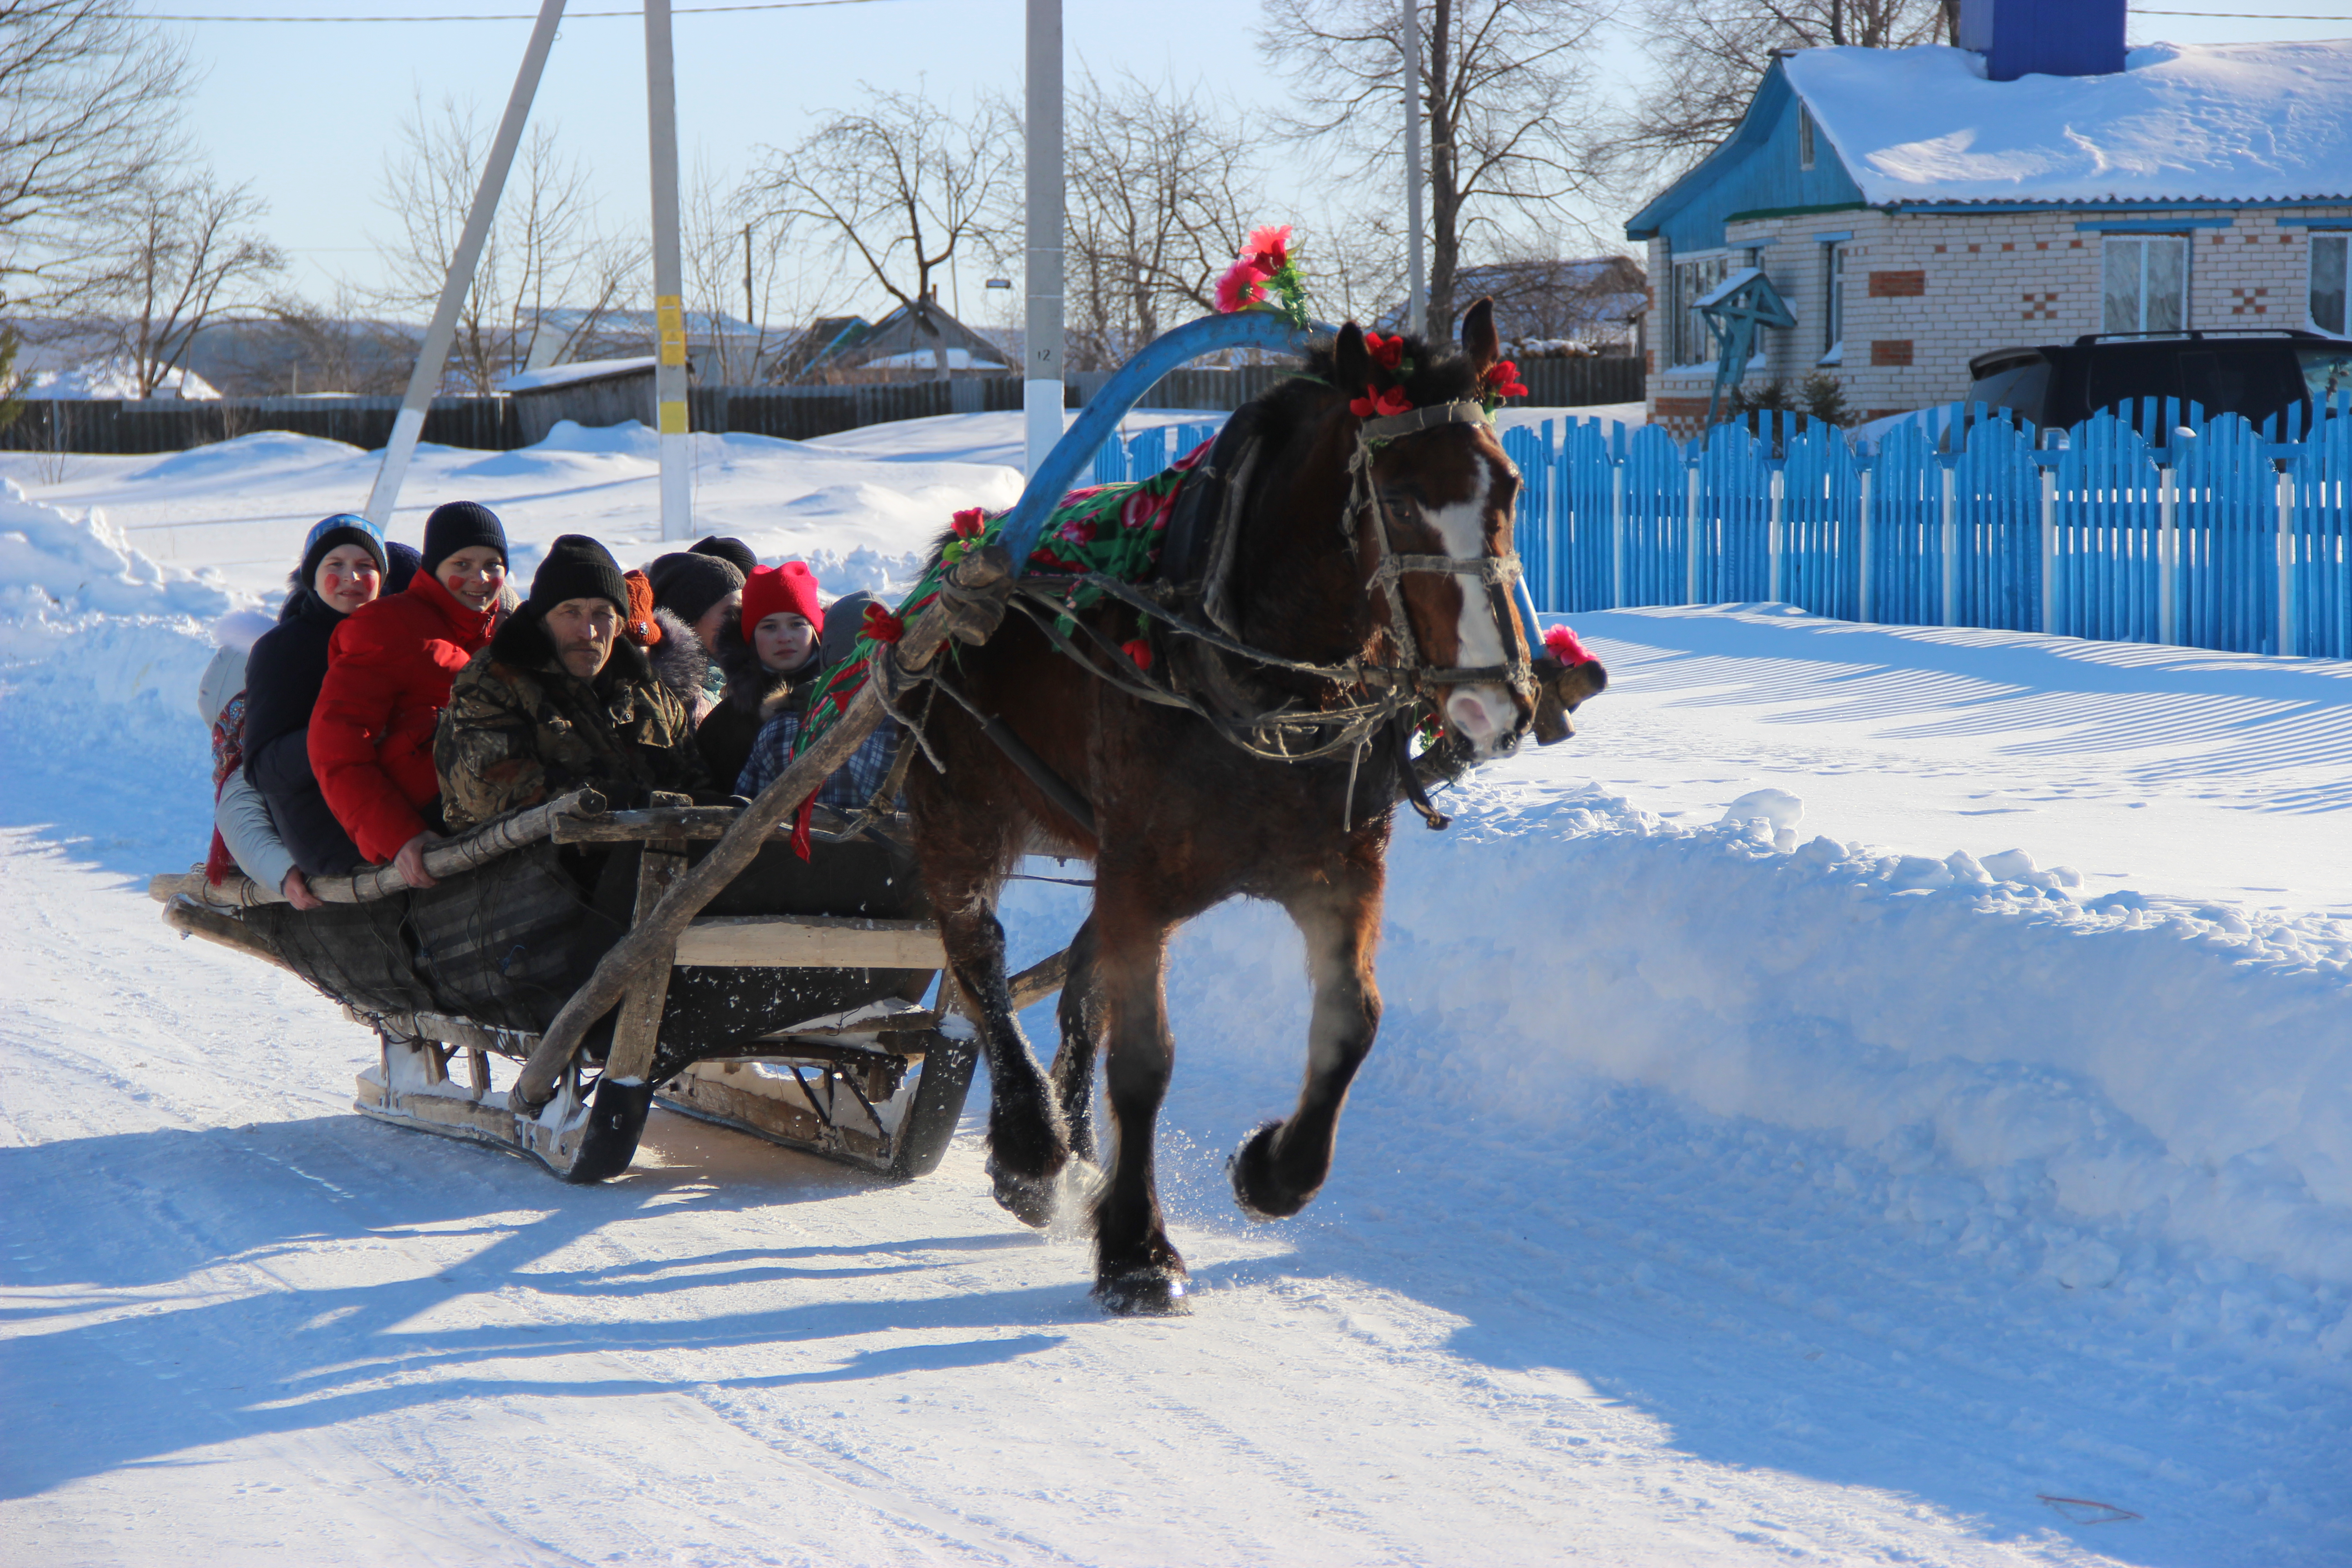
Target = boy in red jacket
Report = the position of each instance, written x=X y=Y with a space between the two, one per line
x=389 y=667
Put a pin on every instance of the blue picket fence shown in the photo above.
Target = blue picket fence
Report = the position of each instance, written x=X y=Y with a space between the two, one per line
x=2160 y=525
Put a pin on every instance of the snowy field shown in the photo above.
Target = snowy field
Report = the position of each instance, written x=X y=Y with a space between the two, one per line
x=1943 y=1155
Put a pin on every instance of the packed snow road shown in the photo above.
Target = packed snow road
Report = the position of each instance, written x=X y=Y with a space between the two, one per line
x=1878 y=1096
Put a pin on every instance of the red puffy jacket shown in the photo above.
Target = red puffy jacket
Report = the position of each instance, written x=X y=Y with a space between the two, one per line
x=389 y=667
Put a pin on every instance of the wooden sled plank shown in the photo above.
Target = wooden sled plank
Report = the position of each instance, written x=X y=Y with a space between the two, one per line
x=809 y=941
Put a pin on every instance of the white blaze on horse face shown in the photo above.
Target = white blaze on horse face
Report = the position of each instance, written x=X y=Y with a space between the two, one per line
x=1482 y=713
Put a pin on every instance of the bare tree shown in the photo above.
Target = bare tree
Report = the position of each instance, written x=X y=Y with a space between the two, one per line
x=738 y=259
x=547 y=266
x=335 y=347
x=89 y=92
x=1505 y=86
x=901 y=186
x=1158 y=184
x=1707 y=57
x=177 y=257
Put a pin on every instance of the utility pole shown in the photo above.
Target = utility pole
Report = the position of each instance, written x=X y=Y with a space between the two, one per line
x=1417 y=283
x=669 y=306
x=1041 y=390
x=435 y=352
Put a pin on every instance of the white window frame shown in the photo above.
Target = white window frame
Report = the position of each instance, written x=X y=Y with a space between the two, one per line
x=2340 y=241
x=1834 y=287
x=2143 y=243
x=1805 y=137
x=1685 y=332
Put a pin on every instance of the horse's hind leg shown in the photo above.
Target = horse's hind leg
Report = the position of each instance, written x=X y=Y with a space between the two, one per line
x=1280 y=1166
x=1081 y=1018
x=1137 y=1268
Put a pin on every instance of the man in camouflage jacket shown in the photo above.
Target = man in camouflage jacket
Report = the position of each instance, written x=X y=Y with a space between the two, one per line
x=560 y=699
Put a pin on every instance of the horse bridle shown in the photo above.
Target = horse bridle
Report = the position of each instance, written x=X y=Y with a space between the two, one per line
x=1390 y=569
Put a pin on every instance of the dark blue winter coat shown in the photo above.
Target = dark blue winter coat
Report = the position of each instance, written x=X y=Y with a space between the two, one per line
x=282 y=678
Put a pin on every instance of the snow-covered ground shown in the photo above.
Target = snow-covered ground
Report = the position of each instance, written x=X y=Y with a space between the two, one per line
x=1946 y=1159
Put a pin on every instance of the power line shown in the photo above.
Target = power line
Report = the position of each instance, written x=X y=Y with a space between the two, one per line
x=2244 y=15
x=525 y=16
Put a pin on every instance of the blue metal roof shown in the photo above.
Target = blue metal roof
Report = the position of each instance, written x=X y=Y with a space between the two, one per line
x=1755 y=169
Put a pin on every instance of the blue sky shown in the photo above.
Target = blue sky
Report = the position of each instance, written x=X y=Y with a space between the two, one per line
x=306 y=111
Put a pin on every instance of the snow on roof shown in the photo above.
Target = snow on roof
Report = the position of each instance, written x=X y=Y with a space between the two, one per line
x=920 y=359
x=2226 y=122
x=565 y=375
x=110 y=378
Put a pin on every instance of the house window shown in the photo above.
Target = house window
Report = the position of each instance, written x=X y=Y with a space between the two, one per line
x=1804 y=137
x=2331 y=258
x=1833 y=299
x=2146 y=283
x=1692 y=280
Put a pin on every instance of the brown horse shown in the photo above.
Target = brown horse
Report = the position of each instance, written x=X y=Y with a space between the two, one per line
x=1184 y=818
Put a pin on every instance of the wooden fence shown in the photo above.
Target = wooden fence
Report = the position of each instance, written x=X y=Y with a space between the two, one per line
x=135 y=425
x=794 y=413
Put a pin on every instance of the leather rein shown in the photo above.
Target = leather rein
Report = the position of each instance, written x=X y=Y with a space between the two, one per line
x=1384 y=693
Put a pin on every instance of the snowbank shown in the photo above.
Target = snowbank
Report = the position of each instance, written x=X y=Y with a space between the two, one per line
x=2024 y=1061
x=49 y=560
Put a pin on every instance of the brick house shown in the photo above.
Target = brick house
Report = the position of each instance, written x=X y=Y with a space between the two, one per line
x=1917 y=208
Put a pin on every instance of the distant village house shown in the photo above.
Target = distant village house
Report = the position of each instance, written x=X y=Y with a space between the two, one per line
x=1917 y=208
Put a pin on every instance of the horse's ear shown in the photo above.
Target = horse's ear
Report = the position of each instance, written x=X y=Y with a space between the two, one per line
x=1351 y=365
x=1478 y=339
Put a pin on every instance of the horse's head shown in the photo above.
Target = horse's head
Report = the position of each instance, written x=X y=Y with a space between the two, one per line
x=1435 y=496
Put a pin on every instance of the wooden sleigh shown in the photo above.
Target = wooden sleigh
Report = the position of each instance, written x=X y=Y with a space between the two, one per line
x=880 y=1085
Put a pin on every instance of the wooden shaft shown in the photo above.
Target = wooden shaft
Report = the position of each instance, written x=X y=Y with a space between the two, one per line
x=700 y=823
x=485 y=844
x=654 y=938
x=190 y=920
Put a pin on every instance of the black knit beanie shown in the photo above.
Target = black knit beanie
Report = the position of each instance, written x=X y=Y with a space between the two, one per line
x=401 y=563
x=461 y=525
x=687 y=585
x=577 y=567
x=734 y=551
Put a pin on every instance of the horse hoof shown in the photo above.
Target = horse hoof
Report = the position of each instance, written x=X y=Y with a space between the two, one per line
x=1256 y=1190
x=1025 y=1199
x=1146 y=1292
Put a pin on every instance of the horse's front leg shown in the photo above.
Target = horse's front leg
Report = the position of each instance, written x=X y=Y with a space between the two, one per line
x=1028 y=1143
x=1080 y=1015
x=1137 y=1268
x=1280 y=1166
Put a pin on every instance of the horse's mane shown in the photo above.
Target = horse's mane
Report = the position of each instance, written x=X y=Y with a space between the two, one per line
x=1441 y=373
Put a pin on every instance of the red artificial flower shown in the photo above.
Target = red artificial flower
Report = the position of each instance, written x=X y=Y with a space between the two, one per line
x=1561 y=643
x=1140 y=650
x=1502 y=381
x=968 y=523
x=1270 y=244
x=881 y=625
x=1387 y=352
x=1243 y=284
x=1392 y=401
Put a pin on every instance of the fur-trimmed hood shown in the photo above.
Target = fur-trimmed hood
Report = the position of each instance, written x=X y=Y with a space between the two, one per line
x=678 y=661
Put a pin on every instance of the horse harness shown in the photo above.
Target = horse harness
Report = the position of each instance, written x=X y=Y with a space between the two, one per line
x=1194 y=575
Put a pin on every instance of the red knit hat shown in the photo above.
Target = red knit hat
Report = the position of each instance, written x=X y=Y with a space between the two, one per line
x=789 y=589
